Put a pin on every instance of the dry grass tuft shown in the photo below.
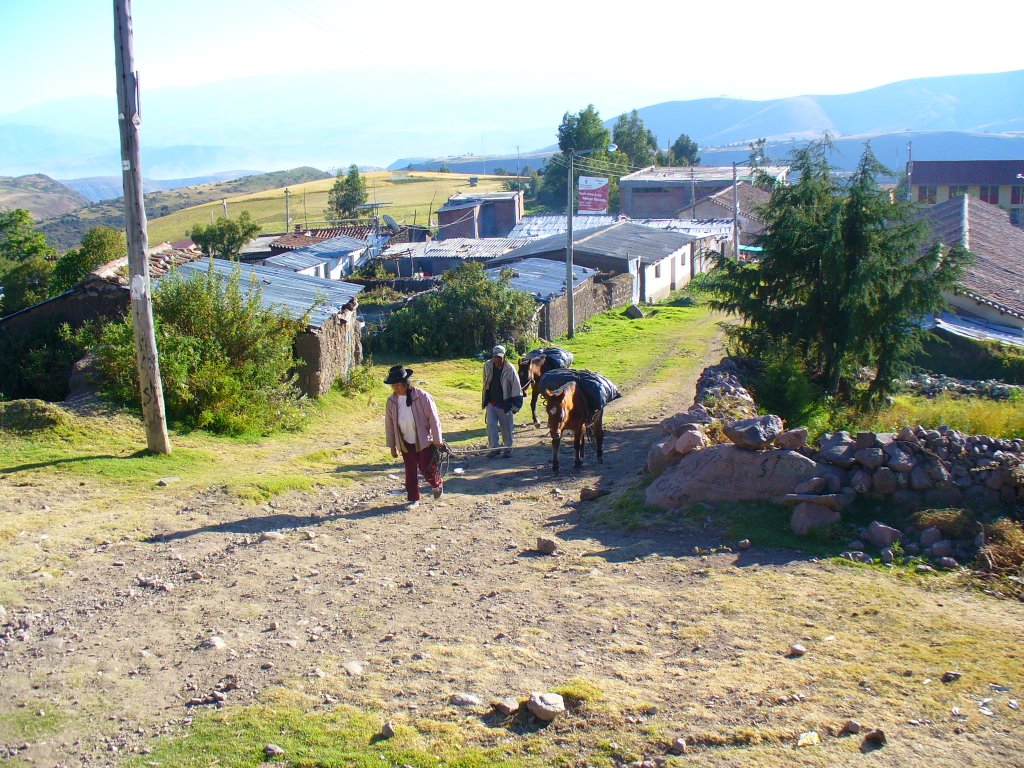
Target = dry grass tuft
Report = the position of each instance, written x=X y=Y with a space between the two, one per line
x=1003 y=554
x=954 y=523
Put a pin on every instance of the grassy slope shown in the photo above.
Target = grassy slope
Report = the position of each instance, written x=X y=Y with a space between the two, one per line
x=409 y=202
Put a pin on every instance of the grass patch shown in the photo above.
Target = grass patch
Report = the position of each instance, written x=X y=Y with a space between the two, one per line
x=26 y=724
x=579 y=691
x=767 y=525
x=630 y=511
x=954 y=523
x=342 y=738
x=270 y=486
x=970 y=415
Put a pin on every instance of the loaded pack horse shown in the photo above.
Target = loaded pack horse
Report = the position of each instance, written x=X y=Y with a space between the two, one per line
x=575 y=402
x=535 y=364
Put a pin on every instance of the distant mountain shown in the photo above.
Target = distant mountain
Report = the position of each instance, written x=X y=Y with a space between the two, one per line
x=970 y=103
x=38 y=194
x=64 y=232
x=97 y=188
x=947 y=118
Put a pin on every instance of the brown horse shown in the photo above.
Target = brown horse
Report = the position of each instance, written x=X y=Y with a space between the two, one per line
x=568 y=410
x=536 y=364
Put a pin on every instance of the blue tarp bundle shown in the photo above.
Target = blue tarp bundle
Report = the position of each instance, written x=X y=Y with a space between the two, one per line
x=598 y=390
x=562 y=358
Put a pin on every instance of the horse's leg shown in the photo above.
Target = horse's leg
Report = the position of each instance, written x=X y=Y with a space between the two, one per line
x=577 y=444
x=533 y=402
x=599 y=436
x=555 y=440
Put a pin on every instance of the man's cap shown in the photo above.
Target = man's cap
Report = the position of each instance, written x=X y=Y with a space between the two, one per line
x=498 y=351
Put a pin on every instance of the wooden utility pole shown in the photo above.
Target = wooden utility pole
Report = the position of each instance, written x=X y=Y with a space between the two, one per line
x=129 y=118
x=735 y=215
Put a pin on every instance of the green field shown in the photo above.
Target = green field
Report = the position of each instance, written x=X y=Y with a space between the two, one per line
x=410 y=198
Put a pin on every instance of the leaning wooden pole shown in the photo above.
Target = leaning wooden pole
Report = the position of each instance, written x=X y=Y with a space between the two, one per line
x=129 y=119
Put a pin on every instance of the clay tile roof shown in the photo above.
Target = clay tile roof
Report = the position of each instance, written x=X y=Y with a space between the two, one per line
x=162 y=259
x=750 y=198
x=997 y=245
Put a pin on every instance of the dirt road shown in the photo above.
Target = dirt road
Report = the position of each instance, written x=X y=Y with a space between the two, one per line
x=348 y=598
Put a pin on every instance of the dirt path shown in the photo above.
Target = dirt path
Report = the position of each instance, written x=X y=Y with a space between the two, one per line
x=348 y=597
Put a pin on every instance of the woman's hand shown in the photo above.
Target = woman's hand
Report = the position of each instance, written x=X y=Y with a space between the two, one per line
x=394 y=452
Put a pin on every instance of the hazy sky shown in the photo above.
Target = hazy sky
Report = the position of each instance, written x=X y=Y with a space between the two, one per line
x=616 y=55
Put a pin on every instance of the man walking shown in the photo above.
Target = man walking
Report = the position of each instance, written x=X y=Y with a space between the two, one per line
x=412 y=427
x=502 y=397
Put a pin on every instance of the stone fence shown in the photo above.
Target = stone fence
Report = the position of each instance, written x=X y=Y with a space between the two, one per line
x=705 y=457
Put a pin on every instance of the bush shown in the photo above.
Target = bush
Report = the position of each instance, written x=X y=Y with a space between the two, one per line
x=226 y=361
x=467 y=313
x=953 y=523
x=360 y=379
x=1004 y=551
x=969 y=359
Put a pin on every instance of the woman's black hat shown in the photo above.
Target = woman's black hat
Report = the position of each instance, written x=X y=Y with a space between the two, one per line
x=398 y=375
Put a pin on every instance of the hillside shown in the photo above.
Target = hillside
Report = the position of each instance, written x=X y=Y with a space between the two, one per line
x=97 y=188
x=40 y=195
x=409 y=198
x=64 y=232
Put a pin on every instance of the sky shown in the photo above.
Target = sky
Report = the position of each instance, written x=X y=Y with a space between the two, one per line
x=542 y=57
x=657 y=50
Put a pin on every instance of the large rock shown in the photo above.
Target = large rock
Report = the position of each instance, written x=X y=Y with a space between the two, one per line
x=806 y=517
x=691 y=441
x=883 y=482
x=754 y=434
x=674 y=425
x=727 y=473
x=792 y=439
x=837 y=448
x=860 y=481
x=870 y=458
x=658 y=458
x=881 y=535
x=546 y=706
x=899 y=458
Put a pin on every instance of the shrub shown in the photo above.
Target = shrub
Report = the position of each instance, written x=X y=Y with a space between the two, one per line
x=954 y=523
x=467 y=313
x=360 y=379
x=1004 y=552
x=226 y=361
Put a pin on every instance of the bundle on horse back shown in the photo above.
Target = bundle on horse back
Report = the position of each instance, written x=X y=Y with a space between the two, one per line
x=575 y=402
x=536 y=363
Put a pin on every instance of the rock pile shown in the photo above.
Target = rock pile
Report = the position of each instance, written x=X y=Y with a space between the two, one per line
x=914 y=468
x=930 y=385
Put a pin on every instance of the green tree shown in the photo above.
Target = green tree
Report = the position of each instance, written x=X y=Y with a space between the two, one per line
x=99 y=246
x=685 y=151
x=26 y=283
x=842 y=280
x=469 y=313
x=580 y=132
x=757 y=158
x=347 y=194
x=635 y=139
x=225 y=238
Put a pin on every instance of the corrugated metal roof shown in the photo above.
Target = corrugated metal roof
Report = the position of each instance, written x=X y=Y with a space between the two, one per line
x=674 y=175
x=541 y=278
x=622 y=240
x=258 y=245
x=296 y=261
x=542 y=226
x=966 y=172
x=334 y=248
x=284 y=289
x=455 y=248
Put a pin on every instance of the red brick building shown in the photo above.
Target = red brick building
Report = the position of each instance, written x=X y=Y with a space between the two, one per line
x=489 y=214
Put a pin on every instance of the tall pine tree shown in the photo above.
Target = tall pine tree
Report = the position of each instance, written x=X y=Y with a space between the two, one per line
x=842 y=279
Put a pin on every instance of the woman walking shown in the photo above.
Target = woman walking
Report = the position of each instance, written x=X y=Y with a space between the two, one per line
x=412 y=427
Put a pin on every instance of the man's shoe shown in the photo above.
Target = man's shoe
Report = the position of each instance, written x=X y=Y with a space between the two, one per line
x=439 y=492
x=494 y=454
x=507 y=454
x=412 y=504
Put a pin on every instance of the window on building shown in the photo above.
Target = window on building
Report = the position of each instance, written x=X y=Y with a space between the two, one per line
x=957 y=190
x=657 y=270
x=926 y=194
x=990 y=194
x=1016 y=195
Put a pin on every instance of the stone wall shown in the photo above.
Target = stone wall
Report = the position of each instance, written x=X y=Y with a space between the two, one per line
x=706 y=454
x=330 y=352
x=592 y=298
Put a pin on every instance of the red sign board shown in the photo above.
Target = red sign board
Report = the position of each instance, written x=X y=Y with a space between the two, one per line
x=593 y=195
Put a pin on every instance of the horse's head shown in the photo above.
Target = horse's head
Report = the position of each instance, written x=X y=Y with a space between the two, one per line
x=530 y=370
x=558 y=403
